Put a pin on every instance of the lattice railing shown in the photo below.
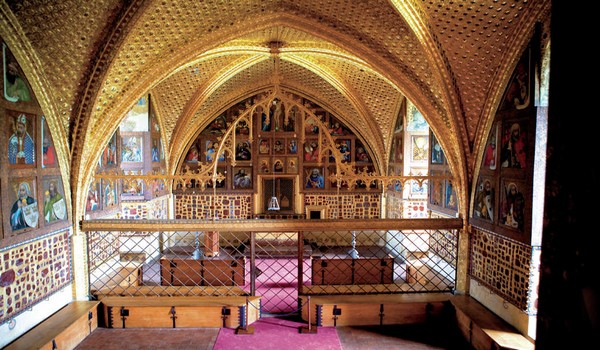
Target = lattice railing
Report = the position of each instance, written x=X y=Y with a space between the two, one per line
x=276 y=259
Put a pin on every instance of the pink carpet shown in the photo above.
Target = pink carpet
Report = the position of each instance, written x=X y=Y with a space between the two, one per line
x=274 y=333
x=277 y=284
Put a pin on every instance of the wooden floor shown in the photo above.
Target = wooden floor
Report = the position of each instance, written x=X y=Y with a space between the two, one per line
x=434 y=335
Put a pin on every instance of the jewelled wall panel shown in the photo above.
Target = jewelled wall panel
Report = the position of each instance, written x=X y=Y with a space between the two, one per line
x=415 y=209
x=198 y=206
x=502 y=265
x=32 y=271
x=347 y=206
x=154 y=209
x=394 y=207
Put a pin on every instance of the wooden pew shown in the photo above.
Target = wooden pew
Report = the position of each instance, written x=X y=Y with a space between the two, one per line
x=373 y=309
x=64 y=329
x=180 y=312
x=202 y=272
x=338 y=271
x=484 y=329
x=123 y=276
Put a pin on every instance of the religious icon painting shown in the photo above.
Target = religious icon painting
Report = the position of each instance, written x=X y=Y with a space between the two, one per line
x=242 y=178
x=217 y=126
x=276 y=114
x=192 y=155
x=242 y=128
x=131 y=150
x=336 y=128
x=313 y=177
x=399 y=150
x=419 y=148
x=161 y=148
x=490 y=155
x=518 y=93
x=21 y=140
x=400 y=118
x=109 y=193
x=450 y=201
x=292 y=146
x=345 y=149
x=436 y=189
x=264 y=146
x=16 y=87
x=264 y=165
x=48 y=151
x=311 y=126
x=512 y=204
x=415 y=120
x=243 y=150
x=265 y=121
x=361 y=154
x=132 y=186
x=485 y=199
x=514 y=143
x=437 y=154
x=155 y=150
x=292 y=165
x=109 y=155
x=278 y=166
x=55 y=207
x=154 y=125
x=311 y=150
x=289 y=120
x=279 y=146
x=393 y=150
x=212 y=147
x=24 y=211
x=92 y=201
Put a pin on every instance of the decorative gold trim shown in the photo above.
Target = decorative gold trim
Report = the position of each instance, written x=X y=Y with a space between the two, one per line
x=266 y=225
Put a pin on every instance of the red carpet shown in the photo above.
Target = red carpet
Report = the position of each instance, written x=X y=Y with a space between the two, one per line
x=274 y=333
x=277 y=284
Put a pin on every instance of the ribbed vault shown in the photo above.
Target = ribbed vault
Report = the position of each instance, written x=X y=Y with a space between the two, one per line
x=358 y=59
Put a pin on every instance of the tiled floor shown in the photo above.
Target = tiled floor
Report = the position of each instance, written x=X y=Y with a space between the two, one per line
x=407 y=337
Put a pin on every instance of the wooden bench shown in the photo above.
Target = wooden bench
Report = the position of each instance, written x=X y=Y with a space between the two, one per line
x=180 y=312
x=339 y=271
x=202 y=272
x=484 y=329
x=123 y=276
x=372 y=310
x=64 y=329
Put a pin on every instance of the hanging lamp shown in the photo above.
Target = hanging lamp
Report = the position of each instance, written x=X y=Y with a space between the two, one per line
x=274 y=46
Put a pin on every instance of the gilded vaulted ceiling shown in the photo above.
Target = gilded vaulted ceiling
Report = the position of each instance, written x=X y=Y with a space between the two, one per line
x=358 y=59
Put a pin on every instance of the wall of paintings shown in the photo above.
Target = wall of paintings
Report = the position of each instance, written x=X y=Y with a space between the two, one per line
x=276 y=151
x=136 y=147
x=31 y=187
x=502 y=197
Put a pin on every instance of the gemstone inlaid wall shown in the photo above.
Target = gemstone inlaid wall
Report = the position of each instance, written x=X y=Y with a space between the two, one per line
x=501 y=264
x=199 y=206
x=32 y=271
x=156 y=208
x=351 y=206
x=395 y=204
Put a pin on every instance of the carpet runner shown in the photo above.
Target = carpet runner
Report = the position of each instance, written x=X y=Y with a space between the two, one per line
x=275 y=333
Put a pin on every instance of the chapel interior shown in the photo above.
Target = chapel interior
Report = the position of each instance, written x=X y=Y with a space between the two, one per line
x=229 y=160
